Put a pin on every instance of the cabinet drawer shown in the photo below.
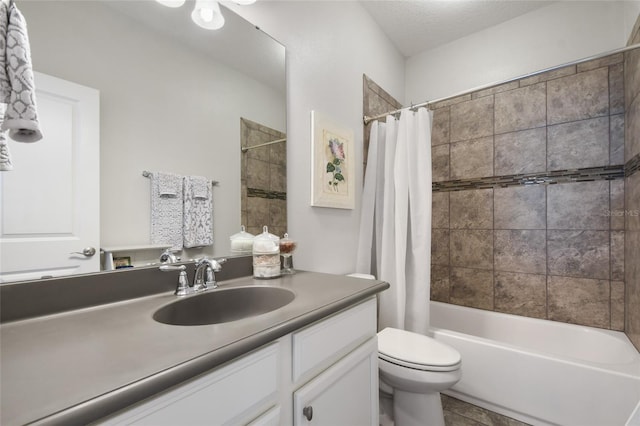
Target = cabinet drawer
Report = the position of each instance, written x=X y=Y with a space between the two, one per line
x=321 y=344
x=232 y=394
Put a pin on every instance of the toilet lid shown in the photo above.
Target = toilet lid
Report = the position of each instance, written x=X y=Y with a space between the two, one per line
x=417 y=351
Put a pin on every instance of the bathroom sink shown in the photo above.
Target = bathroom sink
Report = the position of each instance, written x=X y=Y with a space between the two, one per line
x=224 y=305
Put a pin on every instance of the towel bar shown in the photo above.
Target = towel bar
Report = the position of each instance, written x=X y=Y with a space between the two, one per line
x=148 y=174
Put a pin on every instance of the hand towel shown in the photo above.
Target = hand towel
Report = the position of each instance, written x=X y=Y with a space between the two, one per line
x=169 y=184
x=21 y=117
x=5 y=85
x=5 y=88
x=5 y=156
x=201 y=187
x=166 y=212
x=198 y=212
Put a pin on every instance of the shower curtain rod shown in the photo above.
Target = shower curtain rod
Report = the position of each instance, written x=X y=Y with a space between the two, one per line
x=429 y=104
x=247 y=148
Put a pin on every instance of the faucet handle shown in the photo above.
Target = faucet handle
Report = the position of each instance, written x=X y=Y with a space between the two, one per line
x=183 y=283
x=165 y=268
x=168 y=256
x=217 y=263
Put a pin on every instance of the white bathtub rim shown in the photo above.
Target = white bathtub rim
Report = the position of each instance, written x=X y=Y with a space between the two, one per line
x=630 y=370
x=483 y=386
x=632 y=366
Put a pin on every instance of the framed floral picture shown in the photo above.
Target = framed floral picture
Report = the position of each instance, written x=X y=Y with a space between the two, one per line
x=332 y=164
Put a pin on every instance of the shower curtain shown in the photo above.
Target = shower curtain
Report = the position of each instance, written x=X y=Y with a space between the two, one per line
x=395 y=228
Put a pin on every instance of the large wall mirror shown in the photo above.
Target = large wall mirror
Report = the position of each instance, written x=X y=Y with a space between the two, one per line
x=174 y=97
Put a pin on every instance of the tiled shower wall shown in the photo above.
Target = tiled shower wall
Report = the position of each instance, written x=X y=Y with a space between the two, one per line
x=553 y=251
x=632 y=190
x=375 y=101
x=263 y=179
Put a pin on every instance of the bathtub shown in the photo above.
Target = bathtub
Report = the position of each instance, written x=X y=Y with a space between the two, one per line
x=540 y=372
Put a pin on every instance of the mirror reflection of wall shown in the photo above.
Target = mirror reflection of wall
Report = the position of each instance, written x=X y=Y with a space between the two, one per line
x=165 y=105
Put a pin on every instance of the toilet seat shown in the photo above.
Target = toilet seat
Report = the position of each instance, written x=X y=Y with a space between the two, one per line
x=416 y=351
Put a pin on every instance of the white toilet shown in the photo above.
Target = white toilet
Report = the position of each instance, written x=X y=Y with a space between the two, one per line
x=417 y=368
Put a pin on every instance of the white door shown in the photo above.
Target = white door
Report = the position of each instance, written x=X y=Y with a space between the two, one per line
x=50 y=201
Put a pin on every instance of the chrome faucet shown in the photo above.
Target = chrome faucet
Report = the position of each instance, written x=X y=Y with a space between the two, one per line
x=211 y=266
x=183 y=283
x=168 y=256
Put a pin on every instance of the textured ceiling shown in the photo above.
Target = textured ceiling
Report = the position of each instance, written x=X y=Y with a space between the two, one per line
x=418 y=25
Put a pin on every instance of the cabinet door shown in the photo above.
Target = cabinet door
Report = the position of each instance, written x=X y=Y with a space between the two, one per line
x=344 y=394
x=270 y=418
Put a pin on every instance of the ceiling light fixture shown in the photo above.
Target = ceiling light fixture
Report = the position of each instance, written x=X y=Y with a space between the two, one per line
x=206 y=13
x=171 y=3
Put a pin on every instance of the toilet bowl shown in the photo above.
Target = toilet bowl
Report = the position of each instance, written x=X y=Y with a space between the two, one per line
x=416 y=368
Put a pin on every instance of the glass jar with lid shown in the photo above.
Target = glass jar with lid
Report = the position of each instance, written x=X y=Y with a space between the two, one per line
x=266 y=255
x=241 y=242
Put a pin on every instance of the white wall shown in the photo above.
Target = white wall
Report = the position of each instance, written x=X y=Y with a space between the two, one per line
x=631 y=15
x=549 y=36
x=163 y=108
x=329 y=46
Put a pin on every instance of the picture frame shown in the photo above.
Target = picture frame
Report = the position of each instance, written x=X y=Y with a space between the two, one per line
x=332 y=164
x=122 y=262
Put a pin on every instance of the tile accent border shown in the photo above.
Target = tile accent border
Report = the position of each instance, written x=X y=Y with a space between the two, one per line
x=261 y=193
x=587 y=174
x=632 y=166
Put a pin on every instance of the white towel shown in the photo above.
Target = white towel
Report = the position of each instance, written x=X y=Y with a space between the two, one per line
x=18 y=117
x=5 y=88
x=21 y=117
x=198 y=212
x=169 y=184
x=201 y=187
x=5 y=156
x=5 y=85
x=166 y=212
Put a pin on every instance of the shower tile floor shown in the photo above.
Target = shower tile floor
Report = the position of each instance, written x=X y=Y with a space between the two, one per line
x=460 y=413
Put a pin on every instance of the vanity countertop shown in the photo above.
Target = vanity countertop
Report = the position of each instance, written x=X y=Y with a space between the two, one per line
x=77 y=366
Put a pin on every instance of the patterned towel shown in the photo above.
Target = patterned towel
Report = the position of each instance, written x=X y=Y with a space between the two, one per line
x=166 y=212
x=5 y=88
x=5 y=85
x=17 y=89
x=5 y=155
x=21 y=117
x=169 y=184
x=198 y=212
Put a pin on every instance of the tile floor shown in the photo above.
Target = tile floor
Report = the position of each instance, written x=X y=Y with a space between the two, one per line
x=459 y=413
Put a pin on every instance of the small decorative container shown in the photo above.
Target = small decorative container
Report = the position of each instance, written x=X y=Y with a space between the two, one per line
x=287 y=247
x=242 y=242
x=266 y=255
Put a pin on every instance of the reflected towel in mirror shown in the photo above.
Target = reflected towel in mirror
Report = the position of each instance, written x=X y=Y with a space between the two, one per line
x=166 y=211
x=197 y=212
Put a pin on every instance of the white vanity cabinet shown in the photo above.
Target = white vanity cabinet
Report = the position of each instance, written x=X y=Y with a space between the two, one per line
x=345 y=394
x=235 y=393
x=328 y=368
x=335 y=369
